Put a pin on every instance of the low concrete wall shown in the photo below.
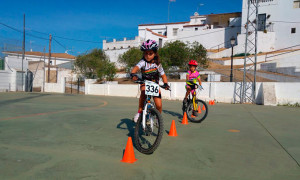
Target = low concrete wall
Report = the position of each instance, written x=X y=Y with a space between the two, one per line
x=268 y=93
x=56 y=87
x=220 y=91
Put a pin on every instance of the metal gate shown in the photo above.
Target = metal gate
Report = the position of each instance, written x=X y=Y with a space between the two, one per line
x=28 y=81
x=19 y=83
x=74 y=86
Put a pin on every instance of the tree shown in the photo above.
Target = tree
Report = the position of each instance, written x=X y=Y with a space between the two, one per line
x=198 y=53
x=131 y=57
x=174 y=54
x=95 y=64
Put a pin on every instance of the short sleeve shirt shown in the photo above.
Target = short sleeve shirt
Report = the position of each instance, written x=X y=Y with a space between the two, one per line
x=150 y=71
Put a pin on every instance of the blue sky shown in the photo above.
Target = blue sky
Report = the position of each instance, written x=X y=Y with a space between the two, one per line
x=94 y=20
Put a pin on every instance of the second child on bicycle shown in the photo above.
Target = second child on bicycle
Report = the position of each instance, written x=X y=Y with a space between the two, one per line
x=152 y=70
x=192 y=77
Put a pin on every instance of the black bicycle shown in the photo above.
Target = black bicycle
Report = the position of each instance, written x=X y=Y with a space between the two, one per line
x=149 y=127
x=196 y=109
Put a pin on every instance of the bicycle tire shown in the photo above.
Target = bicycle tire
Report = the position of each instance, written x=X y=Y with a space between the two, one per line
x=189 y=115
x=158 y=138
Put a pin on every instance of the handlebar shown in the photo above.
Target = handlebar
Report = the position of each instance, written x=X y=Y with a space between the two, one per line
x=141 y=81
x=196 y=85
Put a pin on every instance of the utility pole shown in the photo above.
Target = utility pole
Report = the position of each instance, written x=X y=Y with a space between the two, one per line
x=44 y=70
x=169 y=11
x=50 y=39
x=23 y=51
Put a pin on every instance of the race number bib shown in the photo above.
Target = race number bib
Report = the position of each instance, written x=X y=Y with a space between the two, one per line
x=152 y=89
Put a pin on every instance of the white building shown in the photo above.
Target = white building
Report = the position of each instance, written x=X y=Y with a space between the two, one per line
x=11 y=77
x=210 y=30
x=13 y=59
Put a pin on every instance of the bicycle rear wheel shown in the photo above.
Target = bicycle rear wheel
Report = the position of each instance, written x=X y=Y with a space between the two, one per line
x=197 y=114
x=147 y=140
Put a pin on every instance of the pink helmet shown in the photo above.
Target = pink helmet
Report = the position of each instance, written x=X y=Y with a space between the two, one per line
x=193 y=63
x=149 y=45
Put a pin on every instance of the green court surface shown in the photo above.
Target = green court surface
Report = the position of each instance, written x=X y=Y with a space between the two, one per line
x=61 y=136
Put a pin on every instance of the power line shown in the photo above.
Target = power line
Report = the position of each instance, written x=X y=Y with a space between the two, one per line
x=15 y=29
x=66 y=38
x=80 y=40
x=60 y=44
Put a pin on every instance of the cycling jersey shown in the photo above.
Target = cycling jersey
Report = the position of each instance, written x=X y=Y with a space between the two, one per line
x=150 y=71
x=192 y=77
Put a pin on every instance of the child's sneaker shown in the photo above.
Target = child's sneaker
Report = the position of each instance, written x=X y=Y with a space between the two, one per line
x=195 y=113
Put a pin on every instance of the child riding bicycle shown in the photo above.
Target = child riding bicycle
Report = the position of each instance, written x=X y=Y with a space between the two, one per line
x=151 y=69
x=192 y=77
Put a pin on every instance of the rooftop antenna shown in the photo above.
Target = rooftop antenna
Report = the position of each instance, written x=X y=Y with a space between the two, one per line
x=199 y=6
x=30 y=45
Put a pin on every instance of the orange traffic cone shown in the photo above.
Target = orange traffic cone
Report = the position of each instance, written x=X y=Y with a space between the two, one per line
x=199 y=110
x=213 y=102
x=173 y=131
x=128 y=156
x=203 y=108
x=209 y=102
x=184 y=119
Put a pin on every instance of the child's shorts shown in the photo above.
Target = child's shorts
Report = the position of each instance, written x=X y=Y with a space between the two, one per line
x=193 y=87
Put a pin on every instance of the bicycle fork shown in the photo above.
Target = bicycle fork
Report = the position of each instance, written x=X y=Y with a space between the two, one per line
x=144 y=117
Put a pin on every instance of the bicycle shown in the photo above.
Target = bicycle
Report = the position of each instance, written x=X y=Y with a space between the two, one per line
x=196 y=109
x=149 y=127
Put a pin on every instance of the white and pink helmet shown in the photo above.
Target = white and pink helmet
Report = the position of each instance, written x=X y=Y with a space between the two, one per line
x=149 y=45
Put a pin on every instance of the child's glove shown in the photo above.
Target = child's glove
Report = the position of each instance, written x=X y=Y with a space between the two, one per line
x=166 y=86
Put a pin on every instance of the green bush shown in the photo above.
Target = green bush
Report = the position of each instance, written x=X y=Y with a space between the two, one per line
x=95 y=64
x=176 y=53
x=131 y=57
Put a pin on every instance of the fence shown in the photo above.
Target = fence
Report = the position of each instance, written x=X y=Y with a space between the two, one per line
x=74 y=86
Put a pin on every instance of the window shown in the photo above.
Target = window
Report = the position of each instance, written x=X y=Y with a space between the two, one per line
x=297 y=4
x=262 y=18
x=129 y=47
x=160 y=41
x=196 y=29
x=175 y=30
x=202 y=21
x=159 y=32
x=121 y=47
x=293 y=30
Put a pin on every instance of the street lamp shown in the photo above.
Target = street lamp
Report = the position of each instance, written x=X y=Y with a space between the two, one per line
x=232 y=42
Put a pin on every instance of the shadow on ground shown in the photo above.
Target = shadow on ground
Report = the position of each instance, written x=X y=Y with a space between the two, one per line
x=175 y=114
x=34 y=95
x=129 y=126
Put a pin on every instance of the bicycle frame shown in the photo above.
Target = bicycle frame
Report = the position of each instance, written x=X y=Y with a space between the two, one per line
x=194 y=97
x=147 y=105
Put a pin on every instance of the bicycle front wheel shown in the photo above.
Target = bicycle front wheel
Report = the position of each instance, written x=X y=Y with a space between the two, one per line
x=197 y=112
x=148 y=138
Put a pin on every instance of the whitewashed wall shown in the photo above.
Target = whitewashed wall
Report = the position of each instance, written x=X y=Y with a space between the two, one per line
x=15 y=62
x=219 y=91
x=266 y=43
x=56 y=87
x=286 y=63
x=282 y=15
x=7 y=80
x=113 y=55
